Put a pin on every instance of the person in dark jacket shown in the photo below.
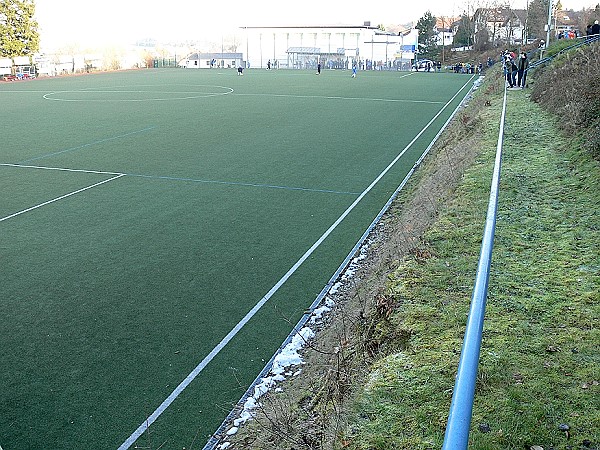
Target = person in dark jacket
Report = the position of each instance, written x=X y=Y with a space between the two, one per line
x=522 y=65
x=514 y=70
x=507 y=68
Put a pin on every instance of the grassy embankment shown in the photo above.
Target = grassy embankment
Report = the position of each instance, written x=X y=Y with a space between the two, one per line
x=538 y=381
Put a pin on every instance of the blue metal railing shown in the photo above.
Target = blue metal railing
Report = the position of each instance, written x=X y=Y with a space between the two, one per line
x=461 y=408
x=583 y=41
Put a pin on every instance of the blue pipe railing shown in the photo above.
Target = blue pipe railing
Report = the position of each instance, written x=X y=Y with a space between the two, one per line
x=588 y=40
x=461 y=408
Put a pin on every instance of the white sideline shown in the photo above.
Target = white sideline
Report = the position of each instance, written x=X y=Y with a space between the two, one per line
x=59 y=198
x=215 y=351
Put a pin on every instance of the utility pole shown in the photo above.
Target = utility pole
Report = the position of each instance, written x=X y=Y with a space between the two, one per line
x=549 y=24
x=526 y=27
x=443 y=38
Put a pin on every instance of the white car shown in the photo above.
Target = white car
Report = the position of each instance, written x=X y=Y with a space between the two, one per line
x=423 y=64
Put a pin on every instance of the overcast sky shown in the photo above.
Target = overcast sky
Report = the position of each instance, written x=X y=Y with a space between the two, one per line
x=95 y=22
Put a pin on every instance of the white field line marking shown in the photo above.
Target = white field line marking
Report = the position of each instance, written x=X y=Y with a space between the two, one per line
x=245 y=184
x=59 y=198
x=326 y=97
x=100 y=91
x=215 y=351
x=132 y=100
x=191 y=180
x=61 y=169
x=89 y=144
x=23 y=91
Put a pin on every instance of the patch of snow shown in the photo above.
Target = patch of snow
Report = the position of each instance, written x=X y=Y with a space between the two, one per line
x=289 y=355
x=318 y=313
x=336 y=287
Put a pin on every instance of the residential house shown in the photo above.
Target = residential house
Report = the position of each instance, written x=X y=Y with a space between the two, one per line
x=446 y=28
x=568 y=23
x=499 y=26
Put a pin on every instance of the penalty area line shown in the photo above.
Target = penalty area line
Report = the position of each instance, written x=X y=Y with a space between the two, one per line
x=217 y=349
x=61 y=169
x=59 y=198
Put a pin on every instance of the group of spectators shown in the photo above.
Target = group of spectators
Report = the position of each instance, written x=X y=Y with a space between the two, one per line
x=467 y=68
x=593 y=29
x=515 y=68
x=568 y=34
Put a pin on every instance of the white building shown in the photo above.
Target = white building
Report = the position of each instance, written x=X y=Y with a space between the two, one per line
x=332 y=46
x=445 y=28
x=499 y=26
x=211 y=60
x=6 y=65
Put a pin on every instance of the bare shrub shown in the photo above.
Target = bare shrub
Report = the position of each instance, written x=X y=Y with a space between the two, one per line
x=570 y=89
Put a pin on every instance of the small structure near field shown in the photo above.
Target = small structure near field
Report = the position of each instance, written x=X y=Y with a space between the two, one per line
x=17 y=68
x=5 y=66
x=213 y=60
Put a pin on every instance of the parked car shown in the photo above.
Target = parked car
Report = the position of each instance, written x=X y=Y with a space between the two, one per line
x=423 y=65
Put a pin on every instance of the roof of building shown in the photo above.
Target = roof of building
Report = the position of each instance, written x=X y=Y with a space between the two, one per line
x=194 y=56
x=312 y=26
x=314 y=51
x=568 y=17
x=445 y=23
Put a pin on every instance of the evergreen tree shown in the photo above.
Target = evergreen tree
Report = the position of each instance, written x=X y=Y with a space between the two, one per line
x=427 y=35
x=464 y=32
x=19 y=34
x=537 y=18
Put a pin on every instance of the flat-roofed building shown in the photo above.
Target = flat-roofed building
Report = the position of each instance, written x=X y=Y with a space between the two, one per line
x=337 y=46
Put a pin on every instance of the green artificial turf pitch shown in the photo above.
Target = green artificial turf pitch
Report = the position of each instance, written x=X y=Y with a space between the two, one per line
x=145 y=213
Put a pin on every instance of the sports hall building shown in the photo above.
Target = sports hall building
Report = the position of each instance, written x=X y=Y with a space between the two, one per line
x=335 y=47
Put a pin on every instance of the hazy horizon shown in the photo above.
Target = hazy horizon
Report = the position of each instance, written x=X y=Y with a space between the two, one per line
x=111 y=22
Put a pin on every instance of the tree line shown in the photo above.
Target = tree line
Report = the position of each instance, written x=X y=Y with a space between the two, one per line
x=471 y=29
x=19 y=34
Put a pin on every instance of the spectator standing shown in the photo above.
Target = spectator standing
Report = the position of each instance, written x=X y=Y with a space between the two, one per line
x=514 y=70
x=596 y=28
x=522 y=66
x=506 y=67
